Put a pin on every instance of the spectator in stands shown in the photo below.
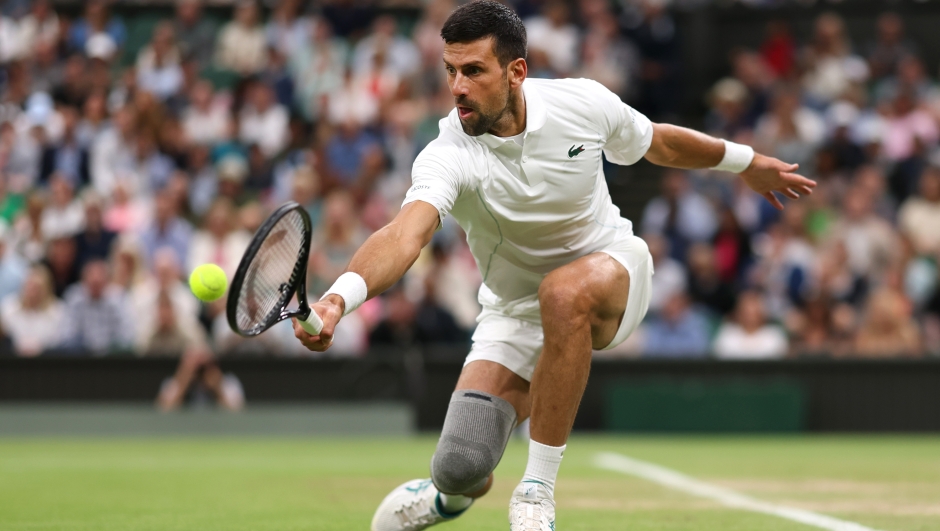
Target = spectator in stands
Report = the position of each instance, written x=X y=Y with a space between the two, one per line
x=204 y=181
x=870 y=242
x=166 y=230
x=95 y=241
x=653 y=29
x=66 y=157
x=789 y=129
x=33 y=318
x=553 y=33
x=94 y=121
x=166 y=332
x=112 y=152
x=39 y=28
x=220 y=242
x=670 y=277
x=408 y=323
x=919 y=216
x=205 y=119
x=127 y=264
x=401 y=53
x=242 y=46
x=779 y=49
x=263 y=121
x=287 y=31
x=677 y=331
x=318 y=68
x=195 y=33
x=749 y=336
x=97 y=319
x=13 y=268
x=889 y=47
x=158 y=64
x=28 y=239
x=887 y=329
x=60 y=260
x=786 y=263
x=706 y=288
x=339 y=236
x=63 y=215
x=680 y=214
x=96 y=20
x=829 y=65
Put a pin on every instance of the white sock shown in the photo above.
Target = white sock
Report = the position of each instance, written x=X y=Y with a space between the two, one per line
x=454 y=503
x=543 y=464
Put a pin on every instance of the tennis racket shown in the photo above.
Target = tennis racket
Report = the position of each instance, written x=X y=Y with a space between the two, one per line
x=272 y=270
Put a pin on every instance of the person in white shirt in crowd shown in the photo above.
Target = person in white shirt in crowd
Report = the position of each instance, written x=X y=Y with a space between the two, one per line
x=287 y=30
x=220 y=242
x=870 y=242
x=158 y=63
x=264 y=121
x=241 y=44
x=402 y=54
x=112 y=152
x=205 y=119
x=33 y=318
x=64 y=214
x=166 y=281
x=919 y=216
x=318 y=69
x=40 y=27
x=789 y=129
x=13 y=268
x=749 y=336
x=553 y=33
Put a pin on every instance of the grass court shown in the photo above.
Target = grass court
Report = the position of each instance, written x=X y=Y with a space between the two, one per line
x=889 y=483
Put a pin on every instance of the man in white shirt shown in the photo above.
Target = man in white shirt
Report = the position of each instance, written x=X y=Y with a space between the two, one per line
x=518 y=166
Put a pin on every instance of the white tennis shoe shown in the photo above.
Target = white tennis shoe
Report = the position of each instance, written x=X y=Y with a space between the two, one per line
x=412 y=506
x=532 y=508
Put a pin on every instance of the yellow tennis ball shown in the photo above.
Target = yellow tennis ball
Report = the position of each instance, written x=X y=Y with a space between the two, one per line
x=208 y=282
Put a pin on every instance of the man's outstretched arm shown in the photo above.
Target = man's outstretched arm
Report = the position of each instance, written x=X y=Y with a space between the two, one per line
x=678 y=147
x=381 y=261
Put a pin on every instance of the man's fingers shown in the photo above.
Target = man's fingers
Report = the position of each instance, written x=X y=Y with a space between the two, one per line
x=790 y=193
x=794 y=178
x=805 y=190
x=773 y=200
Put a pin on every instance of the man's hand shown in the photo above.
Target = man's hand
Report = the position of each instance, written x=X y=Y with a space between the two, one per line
x=330 y=310
x=767 y=175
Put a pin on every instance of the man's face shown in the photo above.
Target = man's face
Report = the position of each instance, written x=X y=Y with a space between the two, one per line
x=480 y=85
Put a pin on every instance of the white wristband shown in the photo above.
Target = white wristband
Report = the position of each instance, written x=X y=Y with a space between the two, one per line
x=352 y=288
x=737 y=158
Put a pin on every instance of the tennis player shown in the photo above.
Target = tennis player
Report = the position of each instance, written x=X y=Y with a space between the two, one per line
x=518 y=166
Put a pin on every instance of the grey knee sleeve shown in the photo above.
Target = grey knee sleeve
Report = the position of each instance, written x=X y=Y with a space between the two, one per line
x=475 y=434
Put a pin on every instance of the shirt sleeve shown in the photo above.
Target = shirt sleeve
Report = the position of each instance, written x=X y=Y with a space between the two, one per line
x=628 y=132
x=435 y=179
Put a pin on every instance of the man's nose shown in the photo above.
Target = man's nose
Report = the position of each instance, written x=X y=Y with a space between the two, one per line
x=459 y=87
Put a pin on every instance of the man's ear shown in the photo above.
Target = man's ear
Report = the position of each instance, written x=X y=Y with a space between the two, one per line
x=517 y=71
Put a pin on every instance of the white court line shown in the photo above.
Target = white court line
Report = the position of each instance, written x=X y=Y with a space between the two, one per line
x=678 y=481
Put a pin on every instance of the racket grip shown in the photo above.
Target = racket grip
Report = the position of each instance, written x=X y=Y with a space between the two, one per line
x=312 y=324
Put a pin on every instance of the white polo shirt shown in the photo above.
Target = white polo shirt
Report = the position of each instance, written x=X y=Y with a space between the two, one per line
x=530 y=209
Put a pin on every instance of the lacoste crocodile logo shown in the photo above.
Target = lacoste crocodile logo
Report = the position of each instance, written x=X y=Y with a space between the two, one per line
x=575 y=151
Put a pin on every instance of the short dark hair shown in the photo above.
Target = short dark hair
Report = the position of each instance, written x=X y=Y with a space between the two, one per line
x=484 y=18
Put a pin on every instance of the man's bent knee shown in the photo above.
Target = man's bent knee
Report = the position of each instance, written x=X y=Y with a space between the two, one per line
x=475 y=434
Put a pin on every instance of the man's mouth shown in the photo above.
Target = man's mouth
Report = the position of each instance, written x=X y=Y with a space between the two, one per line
x=464 y=112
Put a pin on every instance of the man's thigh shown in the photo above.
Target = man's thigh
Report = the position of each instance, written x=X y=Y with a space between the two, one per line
x=495 y=379
x=611 y=286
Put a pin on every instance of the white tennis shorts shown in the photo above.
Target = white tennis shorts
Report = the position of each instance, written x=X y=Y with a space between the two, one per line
x=517 y=344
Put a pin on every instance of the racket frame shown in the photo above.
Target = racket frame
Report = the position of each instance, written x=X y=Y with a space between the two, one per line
x=297 y=283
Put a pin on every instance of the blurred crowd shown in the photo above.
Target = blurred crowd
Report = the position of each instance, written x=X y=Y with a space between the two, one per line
x=850 y=271
x=133 y=150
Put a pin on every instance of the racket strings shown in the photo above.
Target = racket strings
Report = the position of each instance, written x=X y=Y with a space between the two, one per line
x=271 y=273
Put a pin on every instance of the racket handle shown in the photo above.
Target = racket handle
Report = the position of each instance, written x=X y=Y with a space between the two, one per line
x=312 y=324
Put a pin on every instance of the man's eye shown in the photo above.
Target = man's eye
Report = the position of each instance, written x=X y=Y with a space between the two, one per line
x=473 y=71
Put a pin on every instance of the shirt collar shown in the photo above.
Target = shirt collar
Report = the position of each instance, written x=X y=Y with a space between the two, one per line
x=534 y=115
